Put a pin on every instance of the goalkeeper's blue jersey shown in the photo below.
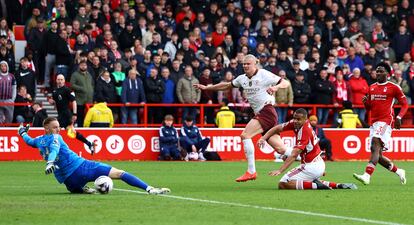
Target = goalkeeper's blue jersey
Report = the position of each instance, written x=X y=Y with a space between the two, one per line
x=54 y=149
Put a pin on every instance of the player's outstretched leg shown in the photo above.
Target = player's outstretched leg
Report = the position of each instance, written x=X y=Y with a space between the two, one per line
x=303 y=185
x=386 y=162
x=334 y=185
x=136 y=182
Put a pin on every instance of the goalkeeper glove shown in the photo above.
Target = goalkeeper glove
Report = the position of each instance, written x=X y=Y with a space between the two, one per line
x=23 y=129
x=51 y=167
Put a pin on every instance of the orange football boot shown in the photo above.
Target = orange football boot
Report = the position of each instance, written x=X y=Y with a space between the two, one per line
x=247 y=176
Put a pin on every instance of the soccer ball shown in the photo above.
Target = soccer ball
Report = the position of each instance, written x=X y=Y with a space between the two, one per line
x=193 y=156
x=104 y=184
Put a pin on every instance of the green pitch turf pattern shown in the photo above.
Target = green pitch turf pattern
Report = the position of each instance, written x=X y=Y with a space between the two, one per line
x=27 y=196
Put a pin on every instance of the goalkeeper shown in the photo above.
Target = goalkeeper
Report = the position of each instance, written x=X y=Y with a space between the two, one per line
x=74 y=171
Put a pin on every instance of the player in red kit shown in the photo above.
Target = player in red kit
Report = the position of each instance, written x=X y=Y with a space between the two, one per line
x=312 y=167
x=380 y=100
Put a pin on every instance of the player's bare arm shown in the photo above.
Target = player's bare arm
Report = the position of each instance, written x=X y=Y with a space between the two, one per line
x=287 y=163
x=217 y=87
x=283 y=84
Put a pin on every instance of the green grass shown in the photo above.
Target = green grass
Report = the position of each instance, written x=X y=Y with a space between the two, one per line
x=27 y=196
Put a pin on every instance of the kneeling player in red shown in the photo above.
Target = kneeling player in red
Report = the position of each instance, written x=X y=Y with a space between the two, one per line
x=312 y=167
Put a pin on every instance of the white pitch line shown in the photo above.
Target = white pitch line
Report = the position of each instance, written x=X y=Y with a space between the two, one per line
x=356 y=219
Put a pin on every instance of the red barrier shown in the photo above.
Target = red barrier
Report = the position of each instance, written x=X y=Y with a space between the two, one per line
x=142 y=144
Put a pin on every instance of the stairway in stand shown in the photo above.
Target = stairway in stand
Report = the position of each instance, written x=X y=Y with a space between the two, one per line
x=42 y=97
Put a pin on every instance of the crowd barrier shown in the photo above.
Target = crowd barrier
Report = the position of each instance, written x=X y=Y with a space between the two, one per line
x=143 y=144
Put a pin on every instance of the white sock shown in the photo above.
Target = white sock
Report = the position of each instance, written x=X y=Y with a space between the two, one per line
x=398 y=172
x=249 y=152
x=367 y=175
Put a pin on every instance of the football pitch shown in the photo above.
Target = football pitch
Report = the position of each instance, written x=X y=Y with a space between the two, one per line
x=205 y=193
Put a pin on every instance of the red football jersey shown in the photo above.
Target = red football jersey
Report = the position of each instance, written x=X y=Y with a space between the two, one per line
x=306 y=140
x=381 y=98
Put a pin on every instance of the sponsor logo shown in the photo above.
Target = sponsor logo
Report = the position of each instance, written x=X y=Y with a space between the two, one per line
x=114 y=144
x=225 y=144
x=136 y=144
x=9 y=144
x=96 y=140
x=155 y=143
x=352 y=144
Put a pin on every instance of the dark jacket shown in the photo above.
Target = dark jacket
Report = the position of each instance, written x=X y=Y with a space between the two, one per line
x=190 y=135
x=154 y=90
x=323 y=92
x=63 y=56
x=38 y=118
x=132 y=91
x=105 y=91
x=168 y=136
x=301 y=92
x=27 y=78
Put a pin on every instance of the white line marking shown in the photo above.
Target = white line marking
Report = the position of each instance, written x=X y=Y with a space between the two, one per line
x=268 y=208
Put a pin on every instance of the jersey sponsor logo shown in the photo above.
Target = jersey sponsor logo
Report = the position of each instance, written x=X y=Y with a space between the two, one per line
x=136 y=144
x=9 y=144
x=114 y=144
x=352 y=144
x=96 y=140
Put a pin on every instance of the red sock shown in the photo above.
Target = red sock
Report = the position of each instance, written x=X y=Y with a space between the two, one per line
x=332 y=185
x=370 y=169
x=301 y=185
x=393 y=168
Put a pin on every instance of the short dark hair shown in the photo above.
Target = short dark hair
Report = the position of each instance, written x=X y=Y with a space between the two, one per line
x=189 y=118
x=347 y=104
x=385 y=65
x=302 y=111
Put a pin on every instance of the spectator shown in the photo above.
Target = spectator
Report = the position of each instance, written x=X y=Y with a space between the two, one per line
x=169 y=140
x=233 y=95
x=7 y=93
x=225 y=118
x=301 y=90
x=172 y=46
x=40 y=114
x=353 y=60
x=119 y=77
x=49 y=47
x=132 y=92
x=63 y=54
x=99 y=115
x=401 y=42
x=283 y=96
x=22 y=113
x=323 y=94
x=65 y=103
x=367 y=22
x=26 y=77
x=191 y=139
x=187 y=94
x=359 y=88
x=154 y=90
x=324 y=142
x=207 y=97
x=105 y=91
x=347 y=118
x=35 y=44
x=83 y=86
x=169 y=95
x=342 y=91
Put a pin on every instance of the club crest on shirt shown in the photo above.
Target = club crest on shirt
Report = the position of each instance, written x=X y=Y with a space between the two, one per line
x=250 y=83
x=385 y=89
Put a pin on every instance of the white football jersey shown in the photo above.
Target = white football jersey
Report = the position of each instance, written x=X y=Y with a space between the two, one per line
x=255 y=88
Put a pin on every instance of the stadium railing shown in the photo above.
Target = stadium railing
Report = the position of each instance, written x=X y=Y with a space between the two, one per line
x=144 y=120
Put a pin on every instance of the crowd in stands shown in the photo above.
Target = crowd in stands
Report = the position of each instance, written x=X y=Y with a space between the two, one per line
x=152 y=51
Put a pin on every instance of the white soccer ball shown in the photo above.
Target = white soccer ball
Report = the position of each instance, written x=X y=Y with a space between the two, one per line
x=193 y=156
x=104 y=184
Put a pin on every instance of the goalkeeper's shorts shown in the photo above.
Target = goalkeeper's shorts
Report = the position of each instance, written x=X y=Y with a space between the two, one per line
x=88 y=171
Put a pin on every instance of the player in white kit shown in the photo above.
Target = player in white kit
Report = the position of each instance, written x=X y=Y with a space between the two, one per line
x=258 y=86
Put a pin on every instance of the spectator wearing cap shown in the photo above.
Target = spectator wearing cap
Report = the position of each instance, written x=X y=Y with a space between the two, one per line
x=324 y=143
x=388 y=52
x=295 y=70
x=301 y=90
x=322 y=93
x=128 y=36
x=283 y=96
